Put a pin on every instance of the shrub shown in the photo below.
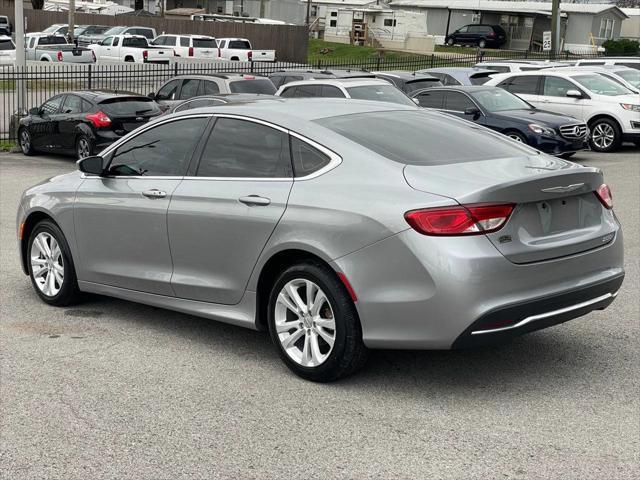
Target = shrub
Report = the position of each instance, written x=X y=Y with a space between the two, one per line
x=624 y=46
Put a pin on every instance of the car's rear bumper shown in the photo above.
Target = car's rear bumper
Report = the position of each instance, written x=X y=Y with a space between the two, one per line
x=419 y=292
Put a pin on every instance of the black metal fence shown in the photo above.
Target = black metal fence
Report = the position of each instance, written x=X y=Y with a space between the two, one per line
x=43 y=81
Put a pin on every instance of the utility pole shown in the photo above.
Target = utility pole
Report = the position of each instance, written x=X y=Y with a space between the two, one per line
x=555 y=28
x=262 y=8
x=308 y=11
x=20 y=57
x=72 y=20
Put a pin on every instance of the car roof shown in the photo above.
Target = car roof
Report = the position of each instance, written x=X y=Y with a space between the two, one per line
x=339 y=73
x=227 y=76
x=405 y=75
x=340 y=82
x=458 y=70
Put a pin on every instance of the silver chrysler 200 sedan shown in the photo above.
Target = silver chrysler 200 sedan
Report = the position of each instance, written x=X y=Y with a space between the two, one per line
x=338 y=225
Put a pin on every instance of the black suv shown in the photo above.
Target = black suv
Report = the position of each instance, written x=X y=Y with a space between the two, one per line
x=492 y=36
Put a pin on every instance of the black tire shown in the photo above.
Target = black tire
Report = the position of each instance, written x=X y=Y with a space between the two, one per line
x=482 y=43
x=602 y=125
x=26 y=141
x=450 y=42
x=83 y=144
x=349 y=352
x=69 y=292
x=637 y=143
x=517 y=136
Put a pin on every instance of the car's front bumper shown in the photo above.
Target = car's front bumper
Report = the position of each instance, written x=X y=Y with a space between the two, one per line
x=419 y=292
x=558 y=145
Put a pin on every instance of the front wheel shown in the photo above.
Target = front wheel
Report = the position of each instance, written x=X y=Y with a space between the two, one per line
x=517 y=136
x=482 y=43
x=605 y=135
x=26 y=142
x=50 y=265
x=314 y=323
x=450 y=42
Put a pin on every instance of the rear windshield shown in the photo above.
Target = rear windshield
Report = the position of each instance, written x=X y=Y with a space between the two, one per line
x=135 y=42
x=52 y=40
x=129 y=106
x=420 y=84
x=4 y=20
x=479 y=78
x=416 y=137
x=259 y=85
x=239 y=44
x=6 y=45
x=205 y=43
x=380 y=93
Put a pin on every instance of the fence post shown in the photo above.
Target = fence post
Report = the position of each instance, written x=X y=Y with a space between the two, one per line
x=319 y=66
x=89 y=78
x=378 y=62
x=175 y=66
x=433 y=59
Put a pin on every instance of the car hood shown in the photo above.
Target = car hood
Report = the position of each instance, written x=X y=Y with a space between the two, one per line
x=537 y=116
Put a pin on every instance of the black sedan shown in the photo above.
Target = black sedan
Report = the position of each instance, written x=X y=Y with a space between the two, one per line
x=82 y=123
x=504 y=112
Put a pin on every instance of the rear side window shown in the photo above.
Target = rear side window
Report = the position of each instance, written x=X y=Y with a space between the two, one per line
x=259 y=85
x=524 y=84
x=129 y=106
x=420 y=84
x=557 y=87
x=449 y=80
x=457 y=102
x=199 y=103
x=168 y=92
x=479 y=79
x=210 y=88
x=330 y=91
x=277 y=80
x=306 y=159
x=189 y=88
x=155 y=151
x=184 y=41
x=239 y=148
x=498 y=68
x=431 y=99
x=309 y=91
x=289 y=92
x=419 y=137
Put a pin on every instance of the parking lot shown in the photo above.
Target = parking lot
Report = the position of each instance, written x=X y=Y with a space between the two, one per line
x=111 y=389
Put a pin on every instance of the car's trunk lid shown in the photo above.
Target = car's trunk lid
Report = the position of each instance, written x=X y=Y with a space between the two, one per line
x=556 y=210
x=128 y=113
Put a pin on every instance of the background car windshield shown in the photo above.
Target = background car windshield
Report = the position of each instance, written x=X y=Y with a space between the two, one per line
x=253 y=86
x=52 y=28
x=601 y=85
x=499 y=100
x=204 y=43
x=135 y=42
x=380 y=93
x=53 y=40
x=416 y=137
x=114 y=31
x=6 y=45
x=631 y=76
x=129 y=106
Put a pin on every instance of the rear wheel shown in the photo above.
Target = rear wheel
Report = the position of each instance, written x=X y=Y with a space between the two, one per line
x=482 y=43
x=605 y=135
x=517 y=136
x=450 y=42
x=84 y=147
x=26 y=143
x=314 y=323
x=50 y=265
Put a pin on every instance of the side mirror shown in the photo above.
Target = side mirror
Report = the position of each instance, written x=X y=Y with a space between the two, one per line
x=93 y=165
x=152 y=96
x=574 y=94
x=472 y=112
x=34 y=111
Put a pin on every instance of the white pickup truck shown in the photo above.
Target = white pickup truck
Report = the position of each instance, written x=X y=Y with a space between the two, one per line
x=130 y=48
x=240 y=49
x=43 y=47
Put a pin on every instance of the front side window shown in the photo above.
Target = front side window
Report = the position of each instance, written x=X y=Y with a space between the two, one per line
x=239 y=148
x=189 y=88
x=499 y=100
x=168 y=92
x=107 y=42
x=306 y=159
x=431 y=99
x=73 y=104
x=557 y=87
x=52 y=106
x=524 y=85
x=309 y=91
x=462 y=30
x=156 y=152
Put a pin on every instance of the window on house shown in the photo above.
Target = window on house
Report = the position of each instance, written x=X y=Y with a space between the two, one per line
x=388 y=22
x=606 y=28
x=333 y=23
x=334 y=14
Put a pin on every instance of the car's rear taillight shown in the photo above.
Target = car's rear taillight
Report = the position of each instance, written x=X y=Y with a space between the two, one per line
x=491 y=35
x=145 y=54
x=93 y=55
x=59 y=56
x=604 y=195
x=99 y=119
x=191 y=51
x=219 y=52
x=250 y=55
x=459 y=220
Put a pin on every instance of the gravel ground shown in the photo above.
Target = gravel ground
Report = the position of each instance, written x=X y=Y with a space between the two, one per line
x=110 y=389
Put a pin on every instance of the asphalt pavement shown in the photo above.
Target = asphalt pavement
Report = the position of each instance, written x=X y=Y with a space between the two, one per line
x=114 y=390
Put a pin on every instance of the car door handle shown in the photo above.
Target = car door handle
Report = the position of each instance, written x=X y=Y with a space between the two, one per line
x=255 y=200
x=154 y=193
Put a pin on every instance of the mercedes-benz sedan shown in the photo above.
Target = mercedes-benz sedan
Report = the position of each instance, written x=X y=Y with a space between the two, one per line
x=338 y=225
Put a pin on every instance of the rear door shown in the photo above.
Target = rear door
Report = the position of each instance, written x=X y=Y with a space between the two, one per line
x=73 y=112
x=526 y=87
x=221 y=217
x=121 y=218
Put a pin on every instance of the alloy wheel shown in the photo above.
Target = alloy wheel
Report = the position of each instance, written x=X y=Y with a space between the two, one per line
x=47 y=264
x=603 y=136
x=515 y=136
x=305 y=323
x=25 y=141
x=83 y=148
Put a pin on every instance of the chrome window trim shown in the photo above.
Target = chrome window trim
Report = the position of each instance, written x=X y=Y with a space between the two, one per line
x=334 y=161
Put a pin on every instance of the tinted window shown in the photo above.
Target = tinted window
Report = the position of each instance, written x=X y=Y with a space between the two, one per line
x=253 y=86
x=431 y=99
x=51 y=106
x=129 y=106
x=290 y=78
x=289 y=92
x=238 y=148
x=306 y=159
x=479 y=79
x=526 y=85
x=457 y=102
x=168 y=92
x=210 y=88
x=32 y=42
x=204 y=43
x=309 y=91
x=530 y=69
x=462 y=30
x=331 y=91
x=156 y=151
x=381 y=93
x=635 y=65
x=189 y=88
x=277 y=80
x=135 y=42
x=145 y=32
x=6 y=45
x=557 y=87
x=449 y=80
x=116 y=41
x=499 y=100
x=498 y=68
x=419 y=137
x=420 y=84
x=239 y=44
x=54 y=40
x=73 y=104
x=184 y=41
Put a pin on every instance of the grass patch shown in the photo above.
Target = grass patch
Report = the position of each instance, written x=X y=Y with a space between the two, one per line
x=7 y=146
x=345 y=52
